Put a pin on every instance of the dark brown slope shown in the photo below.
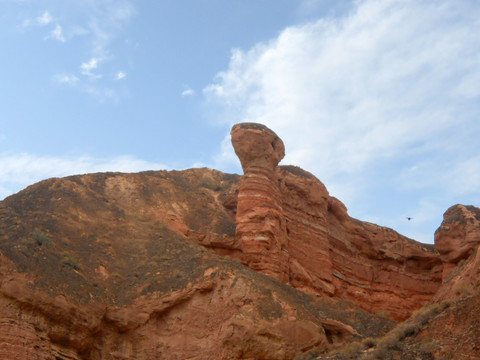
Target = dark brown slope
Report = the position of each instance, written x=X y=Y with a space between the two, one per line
x=87 y=234
x=108 y=266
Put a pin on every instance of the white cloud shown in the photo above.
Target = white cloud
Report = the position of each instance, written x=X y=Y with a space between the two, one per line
x=121 y=75
x=86 y=68
x=105 y=25
x=93 y=26
x=20 y=170
x=188 y=92
x=44 y=19
x=57 y=33
x=387 y=87
x=66 y=79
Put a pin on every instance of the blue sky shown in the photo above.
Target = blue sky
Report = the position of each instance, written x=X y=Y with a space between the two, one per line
x=379 y=99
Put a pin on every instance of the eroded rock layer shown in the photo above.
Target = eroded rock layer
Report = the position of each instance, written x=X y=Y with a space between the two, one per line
x=115 y=266
x=261 y=228
x=144 y=266
x=289 y=227
x=458 y=236
x=448 y=326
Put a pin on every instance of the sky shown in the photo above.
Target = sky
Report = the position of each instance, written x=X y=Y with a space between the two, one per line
x=380 y=99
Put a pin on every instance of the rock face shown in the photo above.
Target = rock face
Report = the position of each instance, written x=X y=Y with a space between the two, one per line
x=145 y=266
x=375 y=267
x=225 y=314
x=119 y=266
x=290 y=228
x=458 y=240
x=458 y=236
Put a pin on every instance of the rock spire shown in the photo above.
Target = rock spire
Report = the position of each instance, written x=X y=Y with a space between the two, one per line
x=261 y=228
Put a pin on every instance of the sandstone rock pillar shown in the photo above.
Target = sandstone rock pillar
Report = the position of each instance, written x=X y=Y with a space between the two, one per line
x=261 y=228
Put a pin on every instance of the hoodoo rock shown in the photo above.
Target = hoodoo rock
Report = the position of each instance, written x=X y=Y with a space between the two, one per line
x=289 y=227
x=261 y=229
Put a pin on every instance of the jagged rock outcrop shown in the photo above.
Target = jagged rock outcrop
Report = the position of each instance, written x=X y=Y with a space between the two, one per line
x=458 y=240
x=448 y=326
x=289 y=227
x=458 y=236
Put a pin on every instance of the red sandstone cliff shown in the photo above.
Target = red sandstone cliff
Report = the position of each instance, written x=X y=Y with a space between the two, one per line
x=448 y=327
x=151 y=266
x=117 y=266
x=289 y=227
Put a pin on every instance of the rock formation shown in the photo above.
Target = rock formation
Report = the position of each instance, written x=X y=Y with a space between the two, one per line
x=118 y=266
x=145 y=266
x=289 y=227
x=261 y=228
x=458 y=240
x=458 y=236
x=448 y=327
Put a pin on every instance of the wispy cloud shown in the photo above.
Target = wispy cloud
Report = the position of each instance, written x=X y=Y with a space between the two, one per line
x=20 y=170
x=105 y=24
x=97 y=25
x=86 y=68
x=44 y=19
x=188 y=92
x=57 y=33
x=66 y=79
x=120 y=75
x=362 y=98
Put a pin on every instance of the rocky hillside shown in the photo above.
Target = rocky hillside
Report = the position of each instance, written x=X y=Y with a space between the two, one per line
x=199 y=264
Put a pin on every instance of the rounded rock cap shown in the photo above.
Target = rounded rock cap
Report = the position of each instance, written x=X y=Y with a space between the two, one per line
x=257 y=145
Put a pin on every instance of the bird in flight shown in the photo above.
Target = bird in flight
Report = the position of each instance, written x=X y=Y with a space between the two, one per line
x=409 y=218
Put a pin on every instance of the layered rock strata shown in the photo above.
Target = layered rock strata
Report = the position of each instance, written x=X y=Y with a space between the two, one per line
x=125 y=266
x=261 y=228
x=289 y=227
x=458 y=236
x=458 y=240
x=110 y=267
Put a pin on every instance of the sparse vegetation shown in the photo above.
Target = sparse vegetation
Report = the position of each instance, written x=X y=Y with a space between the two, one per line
x=41 y=238
x=70 y=261
x=382 y=348
x=210 y=184
x=350 y=350
x=464 y=289
x=427 y=347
